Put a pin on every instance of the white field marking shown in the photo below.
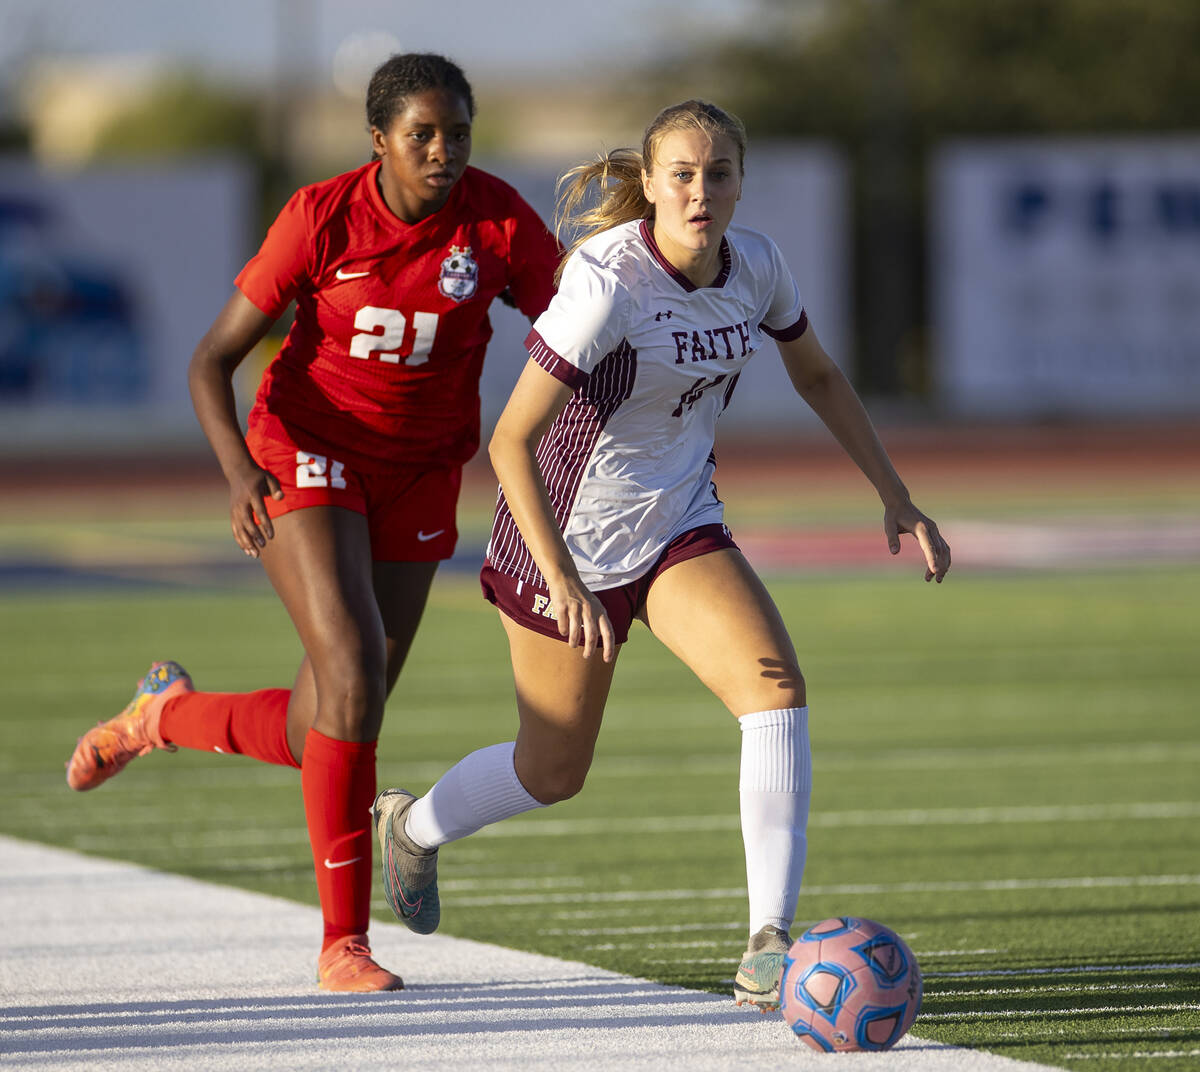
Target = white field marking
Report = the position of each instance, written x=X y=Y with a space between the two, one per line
x=251 y=840
x=976 y=1014
x=690 y=824
x=466 y=884
x=672 y=928
x=696 y=960
x=1043 y=813
x=730 y=822
x=262 y=966
x=1082 y=969
x=514 y=991
x=1002 y=991
x=631 y=994
x=913 y=758
x=1140 y=1054
x=160 y=772
x=721 y=917
x=611 y=946
x=624 y=896
x=1163 y=1034
x=989 y=885
x=608 y=947
x=253 y=863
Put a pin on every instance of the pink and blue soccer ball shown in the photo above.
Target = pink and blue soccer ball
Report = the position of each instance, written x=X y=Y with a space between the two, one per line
x=850 y=984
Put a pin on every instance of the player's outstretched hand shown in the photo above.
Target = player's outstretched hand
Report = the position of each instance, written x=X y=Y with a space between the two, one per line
x=907 y=518
x=582 y=619
x=248 y=518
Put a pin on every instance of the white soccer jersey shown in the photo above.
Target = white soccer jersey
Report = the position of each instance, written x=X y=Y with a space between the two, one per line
x=654 y=361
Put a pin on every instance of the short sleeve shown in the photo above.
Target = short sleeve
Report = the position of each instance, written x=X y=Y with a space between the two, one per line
x=785 y=318
x=533 y=258
x=584 y=322
x=274 y=275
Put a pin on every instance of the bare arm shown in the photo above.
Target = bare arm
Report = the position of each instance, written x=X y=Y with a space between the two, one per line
x=536 y=400
x=823 y=386
x=234 y=333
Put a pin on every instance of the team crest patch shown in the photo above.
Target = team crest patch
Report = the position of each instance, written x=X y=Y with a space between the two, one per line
x=459 y=277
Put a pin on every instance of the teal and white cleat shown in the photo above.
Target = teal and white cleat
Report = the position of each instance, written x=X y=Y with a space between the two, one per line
x=409 y=872
x=761 y=970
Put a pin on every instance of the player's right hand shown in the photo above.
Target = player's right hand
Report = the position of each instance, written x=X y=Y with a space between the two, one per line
x=248 y=518
x=582 y=619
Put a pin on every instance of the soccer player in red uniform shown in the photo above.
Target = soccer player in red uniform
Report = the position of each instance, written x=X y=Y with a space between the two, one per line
x=346 y=481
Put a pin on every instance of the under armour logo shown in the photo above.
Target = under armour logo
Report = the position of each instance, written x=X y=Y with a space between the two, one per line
x=663 y=316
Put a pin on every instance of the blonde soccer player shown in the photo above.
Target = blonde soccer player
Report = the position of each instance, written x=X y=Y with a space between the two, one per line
x=608 y=513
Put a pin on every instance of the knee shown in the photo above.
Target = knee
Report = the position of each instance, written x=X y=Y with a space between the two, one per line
x=778 y=684
x=552 y=783
x=790 y=682
x=350 y=697
x=793 y=692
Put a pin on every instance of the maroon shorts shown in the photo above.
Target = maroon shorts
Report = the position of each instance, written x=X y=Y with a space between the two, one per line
x=529 y=605
x=410 y=511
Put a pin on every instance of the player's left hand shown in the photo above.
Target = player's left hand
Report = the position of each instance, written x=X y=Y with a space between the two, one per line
x=907 y=518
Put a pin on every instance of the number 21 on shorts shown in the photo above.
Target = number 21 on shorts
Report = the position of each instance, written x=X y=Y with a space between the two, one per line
x=317 y=471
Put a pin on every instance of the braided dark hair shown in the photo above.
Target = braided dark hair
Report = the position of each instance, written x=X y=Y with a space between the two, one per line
x=408 y=73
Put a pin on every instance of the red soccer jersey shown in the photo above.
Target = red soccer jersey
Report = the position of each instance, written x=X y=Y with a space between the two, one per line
x=385 y=354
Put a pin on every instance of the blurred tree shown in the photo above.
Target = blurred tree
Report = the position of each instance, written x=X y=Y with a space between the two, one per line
x=183 y=115
x=14 y=137
x=889 y=79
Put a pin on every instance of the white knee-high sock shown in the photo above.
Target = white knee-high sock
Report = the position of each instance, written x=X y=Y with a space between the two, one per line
x=479 y=789
x=774 y=789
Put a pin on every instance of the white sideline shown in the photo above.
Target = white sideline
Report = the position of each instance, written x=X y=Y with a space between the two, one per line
x=106 y=965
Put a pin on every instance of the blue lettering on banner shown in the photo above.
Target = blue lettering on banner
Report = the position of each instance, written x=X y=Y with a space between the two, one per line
x=1103 y=209
x=1178 y=209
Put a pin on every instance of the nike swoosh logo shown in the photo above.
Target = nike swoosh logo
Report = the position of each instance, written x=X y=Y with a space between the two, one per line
x=413 y=907
x=343 y=274
x=425 y=537
x=341 y=863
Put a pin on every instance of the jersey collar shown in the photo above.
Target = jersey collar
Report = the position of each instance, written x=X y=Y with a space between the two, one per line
x=375 y=196
x=647 y=233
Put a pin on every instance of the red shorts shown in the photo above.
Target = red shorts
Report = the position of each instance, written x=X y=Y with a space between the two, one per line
x=528 y=605
x=410 y=512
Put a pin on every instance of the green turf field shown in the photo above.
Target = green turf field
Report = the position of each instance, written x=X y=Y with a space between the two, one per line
x=1006 y=773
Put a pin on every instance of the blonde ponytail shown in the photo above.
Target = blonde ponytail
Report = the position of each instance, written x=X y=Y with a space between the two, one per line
x=617 y=177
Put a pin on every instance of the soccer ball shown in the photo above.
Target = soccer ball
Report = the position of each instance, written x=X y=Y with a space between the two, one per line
x=850 y=984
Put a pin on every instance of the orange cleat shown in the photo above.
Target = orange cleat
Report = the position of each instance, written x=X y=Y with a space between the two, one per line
x=106 y=748
x=347 y=966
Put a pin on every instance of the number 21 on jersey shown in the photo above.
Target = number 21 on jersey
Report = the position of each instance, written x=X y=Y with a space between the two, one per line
x=370 y=318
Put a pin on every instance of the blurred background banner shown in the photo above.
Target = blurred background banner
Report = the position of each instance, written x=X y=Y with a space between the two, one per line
x=992 y=212
x=1067 y=277
x=109 y=276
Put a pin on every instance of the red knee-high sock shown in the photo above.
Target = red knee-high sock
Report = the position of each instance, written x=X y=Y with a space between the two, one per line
x=245 y=723
x=338 y=778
